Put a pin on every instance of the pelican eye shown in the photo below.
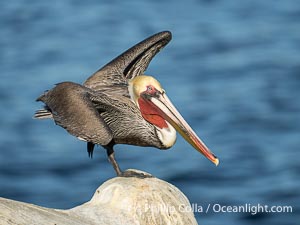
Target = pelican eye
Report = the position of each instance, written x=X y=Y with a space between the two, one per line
x=152 y=91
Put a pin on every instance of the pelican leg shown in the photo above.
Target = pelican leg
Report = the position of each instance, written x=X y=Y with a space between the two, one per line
x=119 y=172
x=112 y=160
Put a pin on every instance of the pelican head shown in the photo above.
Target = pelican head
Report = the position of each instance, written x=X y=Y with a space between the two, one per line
x=156 y=108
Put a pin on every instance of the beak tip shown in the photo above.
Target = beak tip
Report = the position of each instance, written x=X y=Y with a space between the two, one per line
x=216 y=161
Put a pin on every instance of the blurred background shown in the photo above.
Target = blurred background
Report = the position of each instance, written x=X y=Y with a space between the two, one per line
x=232 y=69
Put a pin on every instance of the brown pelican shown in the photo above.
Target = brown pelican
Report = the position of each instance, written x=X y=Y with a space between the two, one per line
x=120 y=105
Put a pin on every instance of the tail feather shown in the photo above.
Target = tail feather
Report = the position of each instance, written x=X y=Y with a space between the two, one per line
x=43 y=114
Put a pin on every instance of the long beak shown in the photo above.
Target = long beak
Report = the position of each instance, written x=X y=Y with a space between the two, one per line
x=170 y=114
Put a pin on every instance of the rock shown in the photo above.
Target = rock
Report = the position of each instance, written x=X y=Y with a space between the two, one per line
x=120 y=200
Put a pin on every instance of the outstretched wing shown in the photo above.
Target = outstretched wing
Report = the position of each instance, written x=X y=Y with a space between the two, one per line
x=129 y=64
x=71 y=107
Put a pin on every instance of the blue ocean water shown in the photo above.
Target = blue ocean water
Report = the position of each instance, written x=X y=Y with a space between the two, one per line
x=232 y=69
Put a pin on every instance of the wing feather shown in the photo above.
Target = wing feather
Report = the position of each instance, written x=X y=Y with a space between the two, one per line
x=129 y=64
x=72 y=109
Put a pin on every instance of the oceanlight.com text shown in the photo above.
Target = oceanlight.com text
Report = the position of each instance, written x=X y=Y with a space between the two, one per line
x=245 y=208
x=253 y=209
